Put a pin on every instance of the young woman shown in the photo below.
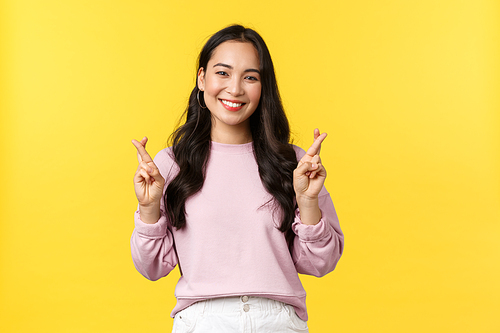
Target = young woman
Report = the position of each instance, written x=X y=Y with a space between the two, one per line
x=230 y=204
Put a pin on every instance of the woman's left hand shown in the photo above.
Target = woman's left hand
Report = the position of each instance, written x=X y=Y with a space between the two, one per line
x=310 y=174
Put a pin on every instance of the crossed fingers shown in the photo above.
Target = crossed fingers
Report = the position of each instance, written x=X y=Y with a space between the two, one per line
x=316 y=146
x=142 y=154
x=311 y=156
x=146 y=170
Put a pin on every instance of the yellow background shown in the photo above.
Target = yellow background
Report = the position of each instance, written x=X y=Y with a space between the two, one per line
x=407 y=90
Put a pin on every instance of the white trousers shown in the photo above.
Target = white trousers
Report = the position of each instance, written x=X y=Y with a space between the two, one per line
x=243 y=314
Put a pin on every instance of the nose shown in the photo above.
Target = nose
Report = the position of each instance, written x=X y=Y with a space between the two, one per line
x=235 y=87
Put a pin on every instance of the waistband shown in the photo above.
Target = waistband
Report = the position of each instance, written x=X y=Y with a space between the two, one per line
x=238 y=304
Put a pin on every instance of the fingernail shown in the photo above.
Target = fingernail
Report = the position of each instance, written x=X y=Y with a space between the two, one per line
x=314 y=165
x=150 y=170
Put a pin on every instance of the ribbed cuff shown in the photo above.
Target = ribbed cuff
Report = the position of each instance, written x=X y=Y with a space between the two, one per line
x=310 y=233
x=155 y=230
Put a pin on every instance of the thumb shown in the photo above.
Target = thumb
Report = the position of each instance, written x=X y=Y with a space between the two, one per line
x=154 y=172
x=304 y=167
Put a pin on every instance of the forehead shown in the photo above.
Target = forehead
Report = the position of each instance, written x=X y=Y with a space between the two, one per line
x=235 y=54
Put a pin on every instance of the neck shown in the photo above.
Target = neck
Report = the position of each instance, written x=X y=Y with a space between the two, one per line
x=234 y=135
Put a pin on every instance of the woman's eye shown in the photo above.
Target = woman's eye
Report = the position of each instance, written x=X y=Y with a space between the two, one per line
x=252 y=78
x=221 y=73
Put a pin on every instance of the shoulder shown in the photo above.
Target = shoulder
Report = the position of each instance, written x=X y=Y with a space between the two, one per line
x=299 y=152
x=165 y=155
x=165 y=162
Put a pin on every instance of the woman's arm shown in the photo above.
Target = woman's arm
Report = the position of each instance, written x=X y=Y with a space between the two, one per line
x=152 y=248
x=319 y=242
x=152 y=242
x=308 y=180
x=317 y=248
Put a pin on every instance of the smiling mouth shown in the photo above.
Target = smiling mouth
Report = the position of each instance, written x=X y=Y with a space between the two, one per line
x=231 y=104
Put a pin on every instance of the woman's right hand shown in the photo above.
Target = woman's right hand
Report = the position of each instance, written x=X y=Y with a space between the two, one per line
x=148 y=182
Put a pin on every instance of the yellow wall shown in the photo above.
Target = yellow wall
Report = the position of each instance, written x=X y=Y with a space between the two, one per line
x=407 y=90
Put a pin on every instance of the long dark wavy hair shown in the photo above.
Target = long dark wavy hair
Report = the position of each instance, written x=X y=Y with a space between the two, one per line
x=270 y=131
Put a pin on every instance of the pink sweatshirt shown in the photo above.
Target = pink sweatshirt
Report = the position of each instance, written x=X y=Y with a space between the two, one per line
x=230 y=245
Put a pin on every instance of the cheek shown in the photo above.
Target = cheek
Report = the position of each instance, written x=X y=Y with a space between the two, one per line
x=212 y=87
x=255 y=94
x=209 y=90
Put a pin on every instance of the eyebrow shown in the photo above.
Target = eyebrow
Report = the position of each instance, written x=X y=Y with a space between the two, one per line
x=231 y=67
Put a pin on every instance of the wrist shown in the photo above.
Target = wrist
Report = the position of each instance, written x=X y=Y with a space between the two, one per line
x=150 y=206
x=306 y=201
x=310 y=214
x=149 y=214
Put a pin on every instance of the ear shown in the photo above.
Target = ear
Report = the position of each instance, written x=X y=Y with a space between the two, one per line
x=201 y=79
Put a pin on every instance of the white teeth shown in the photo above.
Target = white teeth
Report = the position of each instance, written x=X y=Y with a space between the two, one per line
x=231 y=104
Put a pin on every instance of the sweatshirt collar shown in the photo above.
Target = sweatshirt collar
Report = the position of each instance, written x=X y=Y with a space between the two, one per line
x=232 y=149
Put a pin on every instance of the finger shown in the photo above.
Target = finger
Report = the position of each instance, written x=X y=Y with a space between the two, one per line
x=139 y=158
x=143 y=142
x=305 y=168
x=138 y=177
x=141 y=151
x=152 y=170
x=316 y=146
x=320 y=171
x=316 y=133
x=313 y=173
x=316 y=159
x=143 y=176
x=149 y=167
x=301 y=169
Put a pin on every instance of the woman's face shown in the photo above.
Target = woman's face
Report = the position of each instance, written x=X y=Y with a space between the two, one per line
x=232 y=87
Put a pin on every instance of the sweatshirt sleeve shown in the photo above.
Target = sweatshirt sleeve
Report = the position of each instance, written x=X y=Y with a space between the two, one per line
x=152 y=245
x=317 y=248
